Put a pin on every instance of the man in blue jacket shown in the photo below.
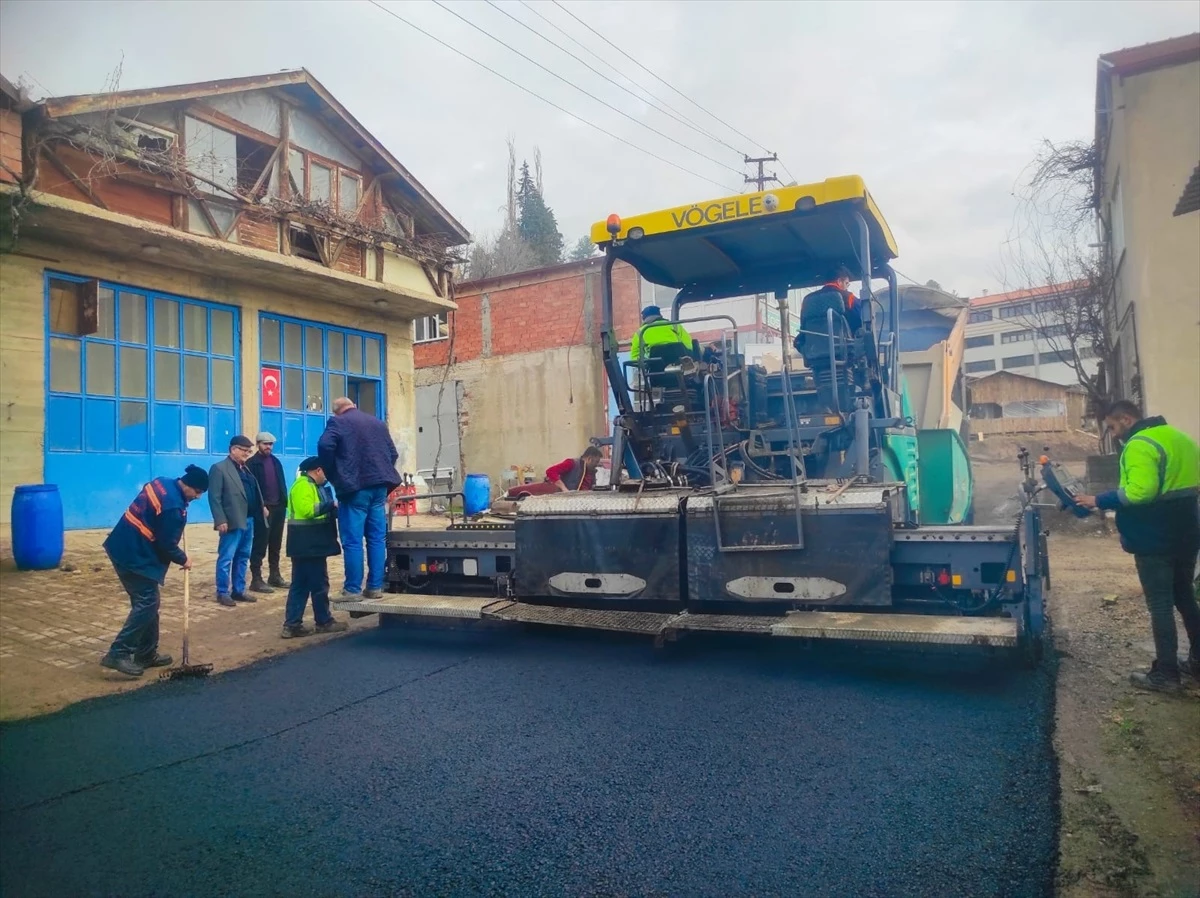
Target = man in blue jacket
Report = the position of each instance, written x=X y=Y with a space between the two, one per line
x=358 y=456
x=1159 y=522
x=142 y=547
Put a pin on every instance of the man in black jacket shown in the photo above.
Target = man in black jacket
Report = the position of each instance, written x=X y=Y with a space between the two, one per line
x=358 y=456
x=268 y=540
x=813 y=340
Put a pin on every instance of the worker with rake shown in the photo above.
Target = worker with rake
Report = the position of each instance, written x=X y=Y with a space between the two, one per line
x=312 y=536
x=142 y=547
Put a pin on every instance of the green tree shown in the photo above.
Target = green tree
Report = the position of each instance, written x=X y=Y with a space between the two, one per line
x=536 y=223
x=583 y=249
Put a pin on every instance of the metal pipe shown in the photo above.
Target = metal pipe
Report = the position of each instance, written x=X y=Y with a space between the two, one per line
x=862 y=442
x=708 y=427
x=833 y=364
x=790 y=411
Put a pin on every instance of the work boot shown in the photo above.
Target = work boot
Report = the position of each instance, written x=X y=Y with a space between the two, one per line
x=333 y=626
x=1189 y=666
x=372 y=593
x=122 y=664
x=242 y=597
x=347 y=596
x=295 y=632
x=257 y=584
x=276 y=580
x=1156 y=680
x=225 y=600
x=155 y=661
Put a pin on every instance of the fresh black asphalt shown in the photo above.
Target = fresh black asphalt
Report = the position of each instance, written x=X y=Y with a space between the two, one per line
x=539 y=764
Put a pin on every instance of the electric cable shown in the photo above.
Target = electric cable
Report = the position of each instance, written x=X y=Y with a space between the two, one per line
x=711 y=115
x=665 y=108
x=583 y=91
x=548 y=102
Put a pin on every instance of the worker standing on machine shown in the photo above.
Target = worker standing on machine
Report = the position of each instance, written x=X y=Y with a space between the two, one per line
x=575 y=473
x=657 y=331
x=813 y=341
x=1159 y=522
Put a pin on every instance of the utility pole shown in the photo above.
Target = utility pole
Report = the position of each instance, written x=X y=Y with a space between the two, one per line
x=762 y=178
x=760 y=299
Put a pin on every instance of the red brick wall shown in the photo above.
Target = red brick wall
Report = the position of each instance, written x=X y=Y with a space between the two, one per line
x=260 y=233
x=532 y=311
x=351 y=259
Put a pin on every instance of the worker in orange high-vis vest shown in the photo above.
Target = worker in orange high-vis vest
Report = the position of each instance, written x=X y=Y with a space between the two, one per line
x=142 y=548
x=813 y=340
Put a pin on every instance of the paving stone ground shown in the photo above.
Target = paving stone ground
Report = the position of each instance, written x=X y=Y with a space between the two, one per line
x=55 y=625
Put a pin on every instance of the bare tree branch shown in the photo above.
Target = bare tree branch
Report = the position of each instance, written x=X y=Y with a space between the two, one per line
x=1053 y=251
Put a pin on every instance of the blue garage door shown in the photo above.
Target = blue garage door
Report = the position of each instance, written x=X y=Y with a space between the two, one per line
x=305 y=366
x=139 y=384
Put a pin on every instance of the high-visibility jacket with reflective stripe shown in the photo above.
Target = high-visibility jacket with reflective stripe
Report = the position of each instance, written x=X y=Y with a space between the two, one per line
x=657 y=333
x=146 y=538
x=1158 y=500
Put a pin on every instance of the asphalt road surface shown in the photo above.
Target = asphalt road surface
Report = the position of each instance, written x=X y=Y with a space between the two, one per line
x=539 y=764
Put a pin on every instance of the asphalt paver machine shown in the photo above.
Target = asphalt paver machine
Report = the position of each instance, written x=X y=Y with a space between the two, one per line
x=793 y=503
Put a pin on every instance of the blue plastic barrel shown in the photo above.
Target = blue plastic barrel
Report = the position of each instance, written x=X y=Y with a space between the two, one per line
x=37 y=527
x=477 y=494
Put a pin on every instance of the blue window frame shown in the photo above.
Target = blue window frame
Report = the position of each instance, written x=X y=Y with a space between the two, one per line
x=317 y=363
x=154 y=375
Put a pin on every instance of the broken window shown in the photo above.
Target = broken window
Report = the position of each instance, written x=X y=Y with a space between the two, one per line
x=147 y=137
x=303 y=244
x=76 y=309
x=252 y=160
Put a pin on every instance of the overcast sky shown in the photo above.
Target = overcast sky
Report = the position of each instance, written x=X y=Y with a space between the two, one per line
x=938 y=105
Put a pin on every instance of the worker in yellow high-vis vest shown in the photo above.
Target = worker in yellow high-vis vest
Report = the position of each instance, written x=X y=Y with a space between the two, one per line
x=656 y=331
x=1158 y=518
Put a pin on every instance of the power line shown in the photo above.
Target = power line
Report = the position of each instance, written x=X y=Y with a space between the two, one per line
x=660 y=78
x=677 y=115
x=551 y=103
x=586 y=93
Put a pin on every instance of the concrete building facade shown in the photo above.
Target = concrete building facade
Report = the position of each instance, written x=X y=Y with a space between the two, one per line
x=185 y=264
x=1147 y=151
x=1022 y=332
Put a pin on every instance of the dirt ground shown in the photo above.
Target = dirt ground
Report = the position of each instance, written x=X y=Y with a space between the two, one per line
x=1130 y=761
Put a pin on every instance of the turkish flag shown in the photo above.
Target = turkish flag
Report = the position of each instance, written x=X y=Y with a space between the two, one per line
x=272 y=394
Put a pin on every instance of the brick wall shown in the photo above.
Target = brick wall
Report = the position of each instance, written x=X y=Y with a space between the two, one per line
x=533 y=311
x=260 y=232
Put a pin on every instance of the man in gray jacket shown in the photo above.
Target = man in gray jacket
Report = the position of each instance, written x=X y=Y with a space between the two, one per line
x=237 y=508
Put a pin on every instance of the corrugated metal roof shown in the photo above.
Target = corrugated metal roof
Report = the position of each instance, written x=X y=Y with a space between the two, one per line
x=1190 y=200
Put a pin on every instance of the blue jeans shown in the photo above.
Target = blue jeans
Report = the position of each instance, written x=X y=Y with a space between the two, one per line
x=363 y=514
x=138 y=639
x=309 y=576
x=233 y=556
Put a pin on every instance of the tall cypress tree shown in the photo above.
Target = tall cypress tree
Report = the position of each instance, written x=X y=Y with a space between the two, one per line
x=536 y=222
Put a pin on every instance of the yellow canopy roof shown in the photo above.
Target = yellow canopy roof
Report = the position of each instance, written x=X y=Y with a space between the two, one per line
x=755 y=242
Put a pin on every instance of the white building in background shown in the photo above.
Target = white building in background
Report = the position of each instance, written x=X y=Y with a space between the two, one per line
x=1017 y=332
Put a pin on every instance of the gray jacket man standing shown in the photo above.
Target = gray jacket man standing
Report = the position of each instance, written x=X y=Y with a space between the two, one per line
x=237 y=508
